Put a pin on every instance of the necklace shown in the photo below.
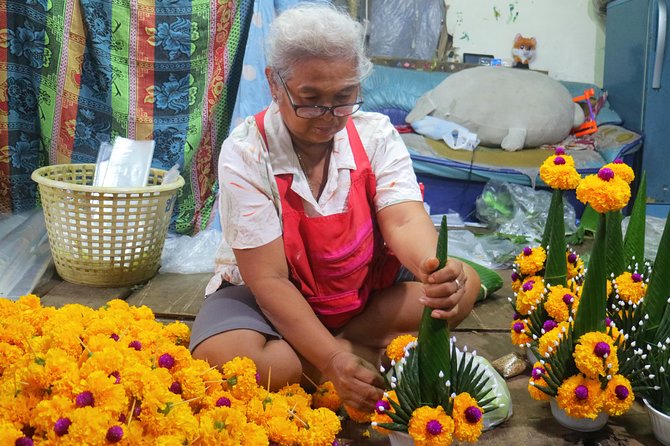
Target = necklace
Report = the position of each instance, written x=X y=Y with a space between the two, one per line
x=304 y=171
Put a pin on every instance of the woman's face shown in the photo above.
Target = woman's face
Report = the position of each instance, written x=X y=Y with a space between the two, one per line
x=325 y=82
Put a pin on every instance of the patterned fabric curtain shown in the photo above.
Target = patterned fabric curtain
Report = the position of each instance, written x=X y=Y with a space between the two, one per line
x=75 y=73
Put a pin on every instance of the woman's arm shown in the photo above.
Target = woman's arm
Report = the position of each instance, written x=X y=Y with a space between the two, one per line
x=410 y=234
x=265 y=271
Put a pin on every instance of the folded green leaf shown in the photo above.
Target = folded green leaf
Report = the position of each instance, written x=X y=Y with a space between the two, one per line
x=615 y=252
x=556 y=269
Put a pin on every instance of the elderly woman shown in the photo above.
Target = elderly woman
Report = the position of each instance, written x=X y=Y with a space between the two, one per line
x=334 y=254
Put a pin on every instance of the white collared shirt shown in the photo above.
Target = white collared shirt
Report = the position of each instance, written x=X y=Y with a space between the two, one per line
x=249 y=204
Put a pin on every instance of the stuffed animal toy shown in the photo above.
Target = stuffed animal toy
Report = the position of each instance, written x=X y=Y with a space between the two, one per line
x=523 y=50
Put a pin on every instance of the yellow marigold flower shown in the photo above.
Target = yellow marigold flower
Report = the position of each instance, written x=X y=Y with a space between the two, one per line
x=558 y=172
x=282 y=431
x=431 y=426
x=561 y=303
x=537 y=378
x=356 y=415
x=519 y=332
x=618 y=396
x=631 y=287
x=9 y=433
x=596 y=355
x=240 y=376
x=177 y=333
x=254 y=435
x=296 y=396
x=604 y=191
x=621 y=170
x=396 y=348
x=266 y=406
x=548 y=341
x=382 y=408
x=531 y=260
x=517 y=281
x=580 y=397
x=575 y=264
x=468 y=418
x=530 y=295
x=319 y=428
x=326 y=396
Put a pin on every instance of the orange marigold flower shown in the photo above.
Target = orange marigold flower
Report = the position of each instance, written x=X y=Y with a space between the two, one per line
x=558 y=172
x=596 y=355
x=358 y=416
x=537 y=379
x=531 y=260
x=549 y=341
x=530 y=295
x=396 y=348
x=382 y=408
x=431 y=426
x=561 y=303
x=468 y=418
x=575 y=264
x=618 y=396
x=326 y=396
x=519 y=332
x=580 y=397
x=621 y=170
x=631 y=287
x=604 y=191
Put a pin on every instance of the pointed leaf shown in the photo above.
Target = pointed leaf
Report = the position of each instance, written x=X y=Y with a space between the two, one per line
x=588 y=224
x=591 y=314
x=615 y=253
x=556 y=269
x=433 y=340
x=633 y=244
x=655 y=302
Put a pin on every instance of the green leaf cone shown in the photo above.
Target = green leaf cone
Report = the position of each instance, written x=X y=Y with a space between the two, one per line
x=633 y=244
x=433 y=347
x=588 y=224
x=615 y=252
x=556 y=269
x=655 y=302
x=591 y=313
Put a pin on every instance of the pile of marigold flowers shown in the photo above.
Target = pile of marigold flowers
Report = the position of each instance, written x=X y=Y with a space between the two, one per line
x=79 y=376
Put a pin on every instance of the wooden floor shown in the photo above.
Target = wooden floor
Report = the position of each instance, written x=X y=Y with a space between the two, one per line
x=179 y=297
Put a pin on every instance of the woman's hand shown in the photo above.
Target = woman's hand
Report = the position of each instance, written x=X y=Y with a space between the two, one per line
x=445 y=288
x=356 y=381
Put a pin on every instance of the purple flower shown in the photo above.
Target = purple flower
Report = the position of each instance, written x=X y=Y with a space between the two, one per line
x=601 y=349
x=175 y=387
x=434 y=427
x=138 y=410
x=636 y=277
x=581 y=392
x=473 y=414
x=515 y=277
x=122 y=418
x=84 y=399
x=618 y=161
x=166 y=361
x=61 y=426
x=24 y=441
x=605 y=174
x=116 y=375
x=114 y=336
x=549 y=325
x=223 y=401
x=382 y=406
x=608 y=322
x=621 y=392
x=516 y=316
x=528 y=285
x=114 y=434
x=572 y=257
x=559 y=161
x=537 y=372
x=258 y=378
x=137 y=345
x=559 y=151
x=518 y=327
x=568 y=298
x=527 y=251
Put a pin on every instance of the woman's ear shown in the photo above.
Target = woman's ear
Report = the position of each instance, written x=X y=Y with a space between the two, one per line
x=272 y=83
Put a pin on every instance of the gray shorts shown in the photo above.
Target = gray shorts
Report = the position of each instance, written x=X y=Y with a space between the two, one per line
x=233 y=307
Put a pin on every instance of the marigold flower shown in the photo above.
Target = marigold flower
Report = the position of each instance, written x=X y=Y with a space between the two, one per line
x=631 y=287
x=441 y=427
x=575 y=264
x=550 y=339
x=604 y=191
x=621 y=170
x=531 y=260
x=561 y=303
x=396 y=348
x=530 y=295
x=537 y=375
x=558 y=172
x=357 y=415
x=382 y=408
x=595 y=355
x=467 y=416
x=580 y=397
x=618 y=396
x=326 y=396
x=519 y=332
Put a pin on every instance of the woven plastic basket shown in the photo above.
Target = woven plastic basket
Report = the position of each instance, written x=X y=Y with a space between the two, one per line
x=104 y=236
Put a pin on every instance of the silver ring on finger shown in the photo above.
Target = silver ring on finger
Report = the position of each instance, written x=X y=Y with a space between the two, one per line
x=458 y=284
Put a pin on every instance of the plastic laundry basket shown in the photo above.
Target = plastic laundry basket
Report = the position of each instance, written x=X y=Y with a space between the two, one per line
x=104 y=236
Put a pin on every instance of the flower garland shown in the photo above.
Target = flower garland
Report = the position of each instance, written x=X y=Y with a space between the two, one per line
x=80 y=376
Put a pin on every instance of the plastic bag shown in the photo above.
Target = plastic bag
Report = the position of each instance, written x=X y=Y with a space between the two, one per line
x=183 y=254
x=652 y=234
x=456 y=136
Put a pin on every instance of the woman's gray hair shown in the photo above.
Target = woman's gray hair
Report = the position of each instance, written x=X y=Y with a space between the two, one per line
x=315 y=30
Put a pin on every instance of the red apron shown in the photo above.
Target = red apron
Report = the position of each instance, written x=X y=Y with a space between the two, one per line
x=336 y=261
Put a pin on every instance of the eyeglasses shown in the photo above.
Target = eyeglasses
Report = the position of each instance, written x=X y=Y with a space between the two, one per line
x=315 y=111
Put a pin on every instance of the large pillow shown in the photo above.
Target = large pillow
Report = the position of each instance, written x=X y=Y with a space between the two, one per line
x=507 y=107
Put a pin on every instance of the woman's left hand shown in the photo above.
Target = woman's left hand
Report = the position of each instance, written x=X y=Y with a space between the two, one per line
x=444 y=288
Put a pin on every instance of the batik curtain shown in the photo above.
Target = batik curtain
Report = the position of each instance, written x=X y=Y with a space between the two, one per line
x=75 y=73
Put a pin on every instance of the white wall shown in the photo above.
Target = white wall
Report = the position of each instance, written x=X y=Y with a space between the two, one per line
x=570 y=34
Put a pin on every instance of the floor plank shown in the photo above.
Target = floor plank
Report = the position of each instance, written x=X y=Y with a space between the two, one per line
x=173 y=296
x=67 y=293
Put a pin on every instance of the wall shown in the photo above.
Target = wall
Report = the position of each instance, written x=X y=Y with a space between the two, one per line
x=570 y=34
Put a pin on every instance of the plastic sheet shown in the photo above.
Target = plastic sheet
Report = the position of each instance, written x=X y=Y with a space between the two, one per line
x=183 y=254
x=652 y=234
